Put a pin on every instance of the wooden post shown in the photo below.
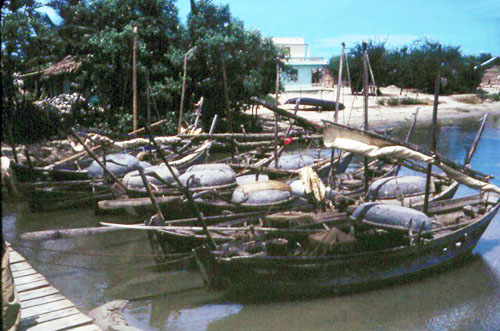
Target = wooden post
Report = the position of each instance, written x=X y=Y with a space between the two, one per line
x=365 y=93
x=183 y=93
x=276 y=91
x=134 y=77
x=226 y=95
x=148 y=104
x=348 y=73
x=434 y=129
x=229 y=116
x=339 y=82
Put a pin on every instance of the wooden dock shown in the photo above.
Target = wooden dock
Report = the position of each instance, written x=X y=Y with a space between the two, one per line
x=42 y=306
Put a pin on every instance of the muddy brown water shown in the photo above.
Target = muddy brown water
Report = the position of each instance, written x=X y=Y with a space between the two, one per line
x=93 y=270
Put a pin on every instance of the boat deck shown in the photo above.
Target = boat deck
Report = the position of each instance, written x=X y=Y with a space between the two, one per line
x=42 y=306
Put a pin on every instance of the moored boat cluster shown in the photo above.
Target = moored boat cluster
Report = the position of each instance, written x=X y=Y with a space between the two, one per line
x=277 y=220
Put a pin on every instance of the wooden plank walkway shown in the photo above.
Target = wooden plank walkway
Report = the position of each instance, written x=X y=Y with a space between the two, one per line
x=42 y=306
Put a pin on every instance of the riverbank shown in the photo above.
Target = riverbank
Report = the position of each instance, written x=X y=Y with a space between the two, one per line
x=380 y=114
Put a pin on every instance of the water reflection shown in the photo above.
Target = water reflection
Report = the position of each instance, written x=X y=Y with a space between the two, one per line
x=466 y=296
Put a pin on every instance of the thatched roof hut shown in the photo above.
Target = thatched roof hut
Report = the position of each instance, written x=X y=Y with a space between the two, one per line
x=55 y=79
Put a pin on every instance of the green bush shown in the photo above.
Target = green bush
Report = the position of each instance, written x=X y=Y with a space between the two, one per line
x=494 y=97
x=412 y=101
x=393 y=102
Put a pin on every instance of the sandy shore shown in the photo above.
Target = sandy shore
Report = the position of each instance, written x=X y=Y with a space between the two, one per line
x=451 y=108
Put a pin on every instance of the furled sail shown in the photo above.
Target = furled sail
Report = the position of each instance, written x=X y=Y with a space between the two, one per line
x=340 y=137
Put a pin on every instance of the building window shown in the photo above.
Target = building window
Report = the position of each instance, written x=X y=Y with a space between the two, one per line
x=294 y=75
x=316 y=76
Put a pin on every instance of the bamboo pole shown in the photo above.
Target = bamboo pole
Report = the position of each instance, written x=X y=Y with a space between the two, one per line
x=408 y=136
x=184 y=190
x=134 y=77
x=148 y=103
x=339 y=82
x=198 y=113
x=183 y=92
x=365 y=93
x=226 y=95
x=150 y=193
x=472 y=150
x=109 y=173
x=142 y=129
x=276 y=91
x=300 y=121
x=434 y=129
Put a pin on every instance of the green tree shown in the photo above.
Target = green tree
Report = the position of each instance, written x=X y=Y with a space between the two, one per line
x=25 y=35
x=250 y=60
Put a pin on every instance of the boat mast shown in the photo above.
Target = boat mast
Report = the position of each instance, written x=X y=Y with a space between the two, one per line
x=134 y=78
x=365 y=92
x=434 y=128
x=339 y=82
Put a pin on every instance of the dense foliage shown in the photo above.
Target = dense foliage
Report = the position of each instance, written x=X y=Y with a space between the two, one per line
x=100 y=34
x=415 y=66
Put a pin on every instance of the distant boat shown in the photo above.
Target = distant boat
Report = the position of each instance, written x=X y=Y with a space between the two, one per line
x=325 y=104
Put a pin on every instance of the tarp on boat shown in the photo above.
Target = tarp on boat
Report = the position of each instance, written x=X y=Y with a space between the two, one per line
x=293 y=161
x=398 y=187
x=133 y=179
x=289 y=219
x=246 y=179
x=208 y=175
x=392 y=217
x=329 y=242
x=117 y=164
x=268 y=192
x=210 y=166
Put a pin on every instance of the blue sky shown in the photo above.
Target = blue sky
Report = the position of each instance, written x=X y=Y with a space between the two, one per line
x=324 y=24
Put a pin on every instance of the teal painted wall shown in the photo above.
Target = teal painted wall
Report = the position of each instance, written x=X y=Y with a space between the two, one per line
x=304 y=77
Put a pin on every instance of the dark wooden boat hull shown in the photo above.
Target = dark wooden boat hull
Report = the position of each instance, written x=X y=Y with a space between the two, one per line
x=325 y=104
x=337 y=273
x=24 y=173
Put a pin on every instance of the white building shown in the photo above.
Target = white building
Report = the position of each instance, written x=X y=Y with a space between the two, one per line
x=306 y=71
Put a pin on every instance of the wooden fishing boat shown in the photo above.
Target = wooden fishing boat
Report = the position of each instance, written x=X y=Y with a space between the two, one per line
x=357 y=267
x=389 y=187
x=391 y=243
x=77 y=190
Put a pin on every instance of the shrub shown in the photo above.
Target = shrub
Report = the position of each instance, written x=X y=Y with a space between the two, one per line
x=412 y=101
x=393 y=102
x=471 y=99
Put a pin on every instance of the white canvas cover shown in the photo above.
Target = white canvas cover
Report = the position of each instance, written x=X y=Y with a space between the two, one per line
x=355 y=142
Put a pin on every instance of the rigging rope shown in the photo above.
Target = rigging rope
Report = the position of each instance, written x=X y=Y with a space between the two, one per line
x=147 y=266
x=97 y=254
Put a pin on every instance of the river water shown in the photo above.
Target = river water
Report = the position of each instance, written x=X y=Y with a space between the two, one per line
x=465 y=297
